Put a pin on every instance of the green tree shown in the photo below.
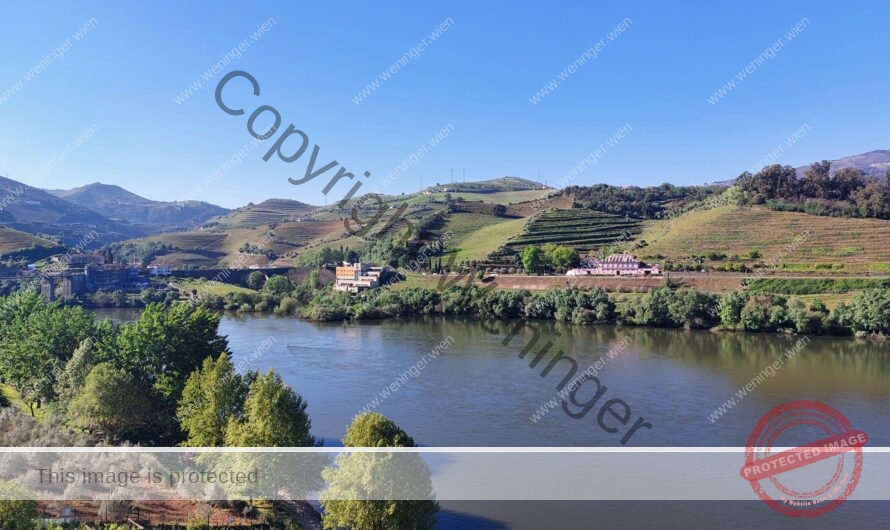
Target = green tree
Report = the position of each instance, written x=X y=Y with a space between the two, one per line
x=358 y=474
x=560 y=257
x=160 y=350
x=112 y=402
x=36 y=339
x=164 y=346
x=213 y=396
x=731 y=305
x=869 y=312
x=274 y=416
x=74 y=376
x=256 y=280
x=531 y=258
x=18 y=514
x=119 y=298
x=278 y=285
x=694 y=309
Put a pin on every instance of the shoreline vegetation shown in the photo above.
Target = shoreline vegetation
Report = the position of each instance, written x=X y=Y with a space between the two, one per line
x=71 y=379
x=669 y=306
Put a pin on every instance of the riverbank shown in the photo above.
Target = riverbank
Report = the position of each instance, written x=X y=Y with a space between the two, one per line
x=672 y=304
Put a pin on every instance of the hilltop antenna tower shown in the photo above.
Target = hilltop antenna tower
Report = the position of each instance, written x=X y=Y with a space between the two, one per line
x=452 y=175
x=465 y=175
x=421 y=181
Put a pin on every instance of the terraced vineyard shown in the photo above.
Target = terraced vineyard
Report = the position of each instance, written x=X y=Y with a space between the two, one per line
x=266 y=212
x=11 y=240
x=474 y=236
x=583 y=230
x=834 y=244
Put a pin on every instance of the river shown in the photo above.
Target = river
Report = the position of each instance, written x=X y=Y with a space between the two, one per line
x=477 y=392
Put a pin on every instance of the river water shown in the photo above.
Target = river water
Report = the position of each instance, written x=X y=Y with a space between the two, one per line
x=477 y=392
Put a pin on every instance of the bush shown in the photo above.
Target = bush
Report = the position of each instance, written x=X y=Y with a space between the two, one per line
x=278 y=285
x=256 y=280
x=867 y=313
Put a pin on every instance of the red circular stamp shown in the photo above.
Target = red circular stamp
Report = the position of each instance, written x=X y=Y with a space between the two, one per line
x=812 y=478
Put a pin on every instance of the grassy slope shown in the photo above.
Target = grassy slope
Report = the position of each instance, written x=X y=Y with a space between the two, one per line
x=203 y=247
x=11 y=240
x=860 y=245
x=12 y=396
x=217 y=288
x=476 y=235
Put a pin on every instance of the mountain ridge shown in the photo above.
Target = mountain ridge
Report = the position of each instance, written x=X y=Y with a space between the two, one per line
x=117 y=203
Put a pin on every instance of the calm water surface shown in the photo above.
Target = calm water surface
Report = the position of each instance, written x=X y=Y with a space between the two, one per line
x=478 y=393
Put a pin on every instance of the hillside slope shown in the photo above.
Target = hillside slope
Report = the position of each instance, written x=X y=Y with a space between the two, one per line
x=37 y=212
x=119 y=204
x=12 y=240
x=265 y=213
x=846 y=245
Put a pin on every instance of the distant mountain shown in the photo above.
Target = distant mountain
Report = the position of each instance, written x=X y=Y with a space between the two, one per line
x=37 y=212
x=873 y=163
x=121 y=205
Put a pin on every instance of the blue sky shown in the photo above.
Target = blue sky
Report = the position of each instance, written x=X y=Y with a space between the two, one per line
x=478 y=76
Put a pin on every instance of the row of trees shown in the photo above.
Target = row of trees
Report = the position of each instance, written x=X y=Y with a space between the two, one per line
x=847 y=192
x=550 y=257
x=633 y=201
x=667 y=306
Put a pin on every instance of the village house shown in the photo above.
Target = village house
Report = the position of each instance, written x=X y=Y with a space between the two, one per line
x=615 y=265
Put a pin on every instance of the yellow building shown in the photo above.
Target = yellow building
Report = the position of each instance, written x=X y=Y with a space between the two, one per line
x=356 y=277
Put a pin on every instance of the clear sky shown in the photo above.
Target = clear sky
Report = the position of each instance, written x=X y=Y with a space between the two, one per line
x=478 y=76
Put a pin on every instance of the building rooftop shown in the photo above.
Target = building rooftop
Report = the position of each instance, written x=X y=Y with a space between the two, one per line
x=620 y=258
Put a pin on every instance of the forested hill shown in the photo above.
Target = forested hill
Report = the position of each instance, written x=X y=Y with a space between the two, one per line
x=643 y=203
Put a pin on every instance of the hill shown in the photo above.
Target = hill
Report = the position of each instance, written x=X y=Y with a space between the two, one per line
x=491 y=186
x=581 y=229
x=265 y=213
x=12 y=240
x=121 y=205
x=845 y=245
x=873 y=163
x=243 y=246
x=665 y=224
x=37 y=212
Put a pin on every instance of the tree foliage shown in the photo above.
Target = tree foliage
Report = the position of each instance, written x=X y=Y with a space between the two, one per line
x=36 y=340
x=531 y=258
x=274 y=416
x=278 y=285
x=644 y=203
x=358 y=474
x=113 y=402
x=213 y=396
x=17 y=514
x=848 y=192
x=256 y=280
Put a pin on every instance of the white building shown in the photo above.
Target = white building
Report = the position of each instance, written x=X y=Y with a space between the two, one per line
x=615 y=265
